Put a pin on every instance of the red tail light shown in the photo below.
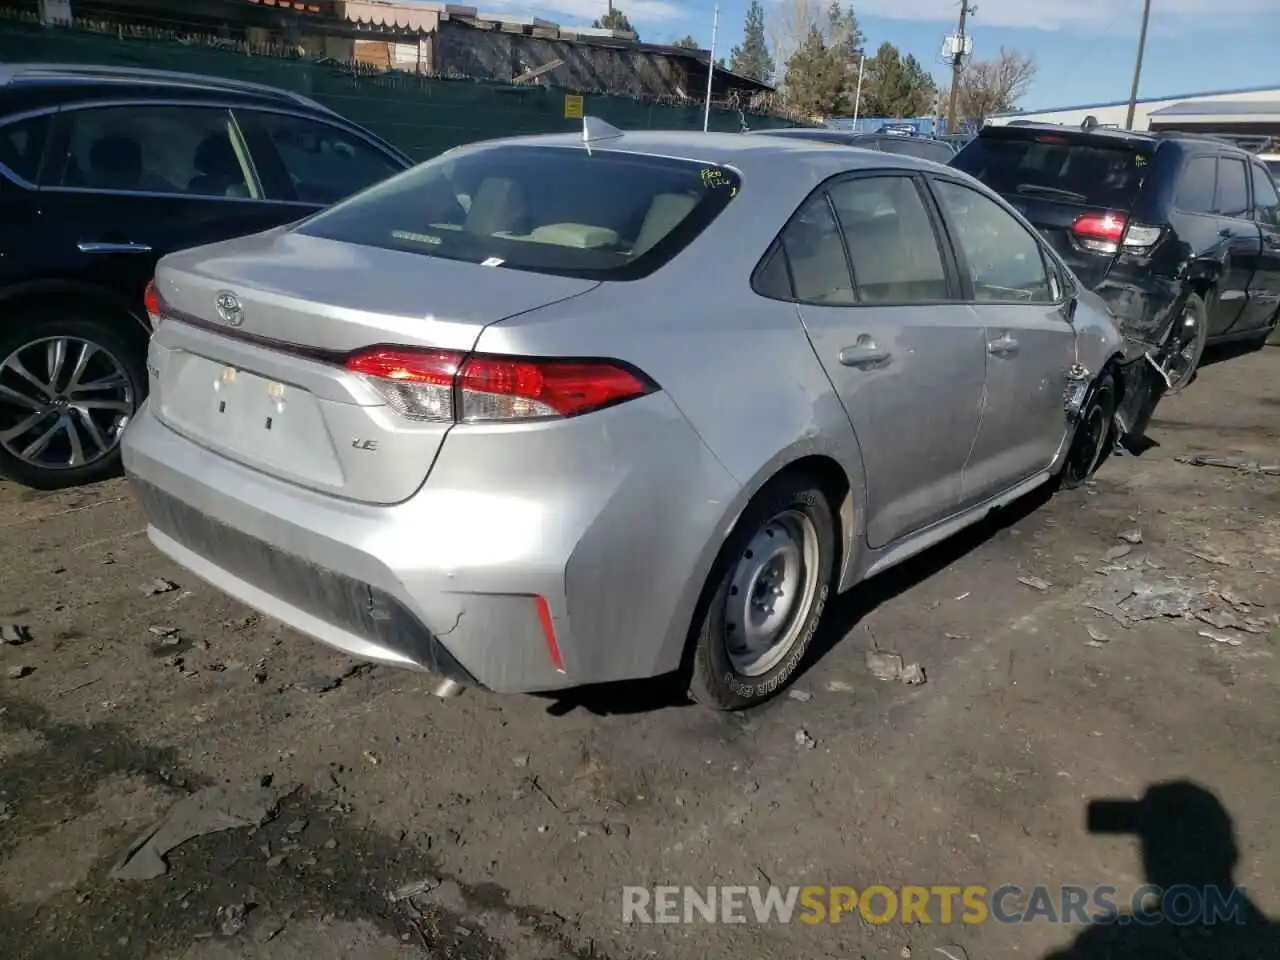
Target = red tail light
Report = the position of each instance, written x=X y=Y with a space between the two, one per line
x=1101 y=233
x=151 y=300
x=444 y=385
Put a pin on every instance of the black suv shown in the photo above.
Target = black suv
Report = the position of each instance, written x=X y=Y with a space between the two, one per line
x=103 y=171
x=1180 y=234
x=923 y=148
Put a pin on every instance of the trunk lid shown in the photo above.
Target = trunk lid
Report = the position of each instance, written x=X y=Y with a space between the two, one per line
x=249 y=361
x=1055 y=176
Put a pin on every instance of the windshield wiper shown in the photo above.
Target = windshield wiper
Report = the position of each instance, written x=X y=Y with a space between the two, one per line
x=1051 y=192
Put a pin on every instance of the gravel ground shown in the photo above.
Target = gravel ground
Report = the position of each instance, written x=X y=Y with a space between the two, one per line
x=519 y=820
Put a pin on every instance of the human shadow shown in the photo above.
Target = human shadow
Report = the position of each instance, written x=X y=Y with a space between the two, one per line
x=1191 y=908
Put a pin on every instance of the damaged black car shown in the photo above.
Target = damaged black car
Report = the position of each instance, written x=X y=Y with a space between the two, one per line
x=1179 y=234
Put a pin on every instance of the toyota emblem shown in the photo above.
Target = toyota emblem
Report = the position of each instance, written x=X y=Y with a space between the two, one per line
x=229 y=309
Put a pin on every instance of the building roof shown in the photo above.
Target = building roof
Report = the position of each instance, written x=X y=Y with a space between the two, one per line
x=1270 y=88
x=1268 y=109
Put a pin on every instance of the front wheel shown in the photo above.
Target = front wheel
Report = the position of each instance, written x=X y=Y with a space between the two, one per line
x=69 y=385
x=765 y=597
x=1093 y=433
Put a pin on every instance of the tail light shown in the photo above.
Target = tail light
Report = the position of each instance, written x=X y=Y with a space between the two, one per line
x=151 y=300
x=449 y=386
x=1107 y=233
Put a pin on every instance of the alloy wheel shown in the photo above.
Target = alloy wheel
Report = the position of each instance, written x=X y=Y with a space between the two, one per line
x=771 y=589
x=64 y=402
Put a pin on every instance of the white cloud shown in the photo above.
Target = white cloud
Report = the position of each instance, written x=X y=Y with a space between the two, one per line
x=1123 y=16
x=637 y=11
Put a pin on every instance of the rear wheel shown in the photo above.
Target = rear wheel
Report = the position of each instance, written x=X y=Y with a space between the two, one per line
x=765 y=596
x=1093 y=433
x=1187 y=348
x=70 y=382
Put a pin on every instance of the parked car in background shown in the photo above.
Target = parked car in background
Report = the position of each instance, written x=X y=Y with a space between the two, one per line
x=530 y=438
x=923 y=148
x=102 y=171
x=1179 y=234
x=1272 y=162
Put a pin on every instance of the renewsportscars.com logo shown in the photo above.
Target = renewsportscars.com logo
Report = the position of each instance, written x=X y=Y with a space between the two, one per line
x=940 y=904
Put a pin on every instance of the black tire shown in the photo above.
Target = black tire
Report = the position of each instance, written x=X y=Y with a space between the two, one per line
x=1194 y=347
x=716 y=678
x=1093 y=434
x=121 y=346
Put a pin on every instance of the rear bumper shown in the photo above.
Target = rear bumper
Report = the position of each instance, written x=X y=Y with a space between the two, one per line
x=612 y=520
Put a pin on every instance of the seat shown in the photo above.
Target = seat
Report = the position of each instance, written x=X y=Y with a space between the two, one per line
x=497 y=207
x=218 y=170
x=666 y=212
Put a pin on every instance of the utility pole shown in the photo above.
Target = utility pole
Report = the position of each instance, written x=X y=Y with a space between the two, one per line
x=957 y=60
x=711 y=68
x=1137 y=67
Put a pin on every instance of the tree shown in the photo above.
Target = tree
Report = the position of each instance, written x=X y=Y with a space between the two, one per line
x=687 y=42
x=615 y=19
x=822 y=72
x=751 y=58
x=897 y=86
x=994 y=86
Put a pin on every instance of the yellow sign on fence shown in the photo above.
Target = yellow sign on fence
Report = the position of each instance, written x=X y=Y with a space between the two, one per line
x=573 y=107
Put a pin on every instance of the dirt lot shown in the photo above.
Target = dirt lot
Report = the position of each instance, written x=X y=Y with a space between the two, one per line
x=524 y=817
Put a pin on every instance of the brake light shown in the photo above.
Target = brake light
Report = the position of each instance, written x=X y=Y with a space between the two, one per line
x=1050 y=138
x=445 y=385
x=151 y=300
x=1106 y=233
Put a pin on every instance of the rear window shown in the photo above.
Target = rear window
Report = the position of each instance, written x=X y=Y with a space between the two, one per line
x=22 y=145
x=602 y=215
x=1095 y=175
x=920 y=148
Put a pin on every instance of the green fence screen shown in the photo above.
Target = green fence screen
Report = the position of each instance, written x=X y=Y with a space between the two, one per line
x=421 y=115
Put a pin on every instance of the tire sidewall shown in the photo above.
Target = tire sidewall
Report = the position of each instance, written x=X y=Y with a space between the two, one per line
x=1103 y=394
x=715 y=681
x=126 y=346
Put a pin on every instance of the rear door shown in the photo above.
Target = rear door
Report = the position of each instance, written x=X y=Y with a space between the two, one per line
x=1077 y=189
x=1030 y=343
x=1264 y=289
x=1241 y=238
x=905 y=355
x=125 y=185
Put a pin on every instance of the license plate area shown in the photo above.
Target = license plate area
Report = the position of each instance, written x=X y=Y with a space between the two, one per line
x=250 y=418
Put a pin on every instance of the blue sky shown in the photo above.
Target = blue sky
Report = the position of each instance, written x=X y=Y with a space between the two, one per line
x=1084 y=49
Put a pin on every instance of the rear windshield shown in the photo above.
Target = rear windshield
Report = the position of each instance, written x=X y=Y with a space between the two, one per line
x=1088 y=174
x=602 y=215
x=917 y=147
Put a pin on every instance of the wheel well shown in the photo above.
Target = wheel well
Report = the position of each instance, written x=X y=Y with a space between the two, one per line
x=53 y=297
x=1202 y=287
x=834 y=482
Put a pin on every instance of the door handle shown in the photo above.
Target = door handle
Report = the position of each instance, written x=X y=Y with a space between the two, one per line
x=119 y=247
x=864 y=354
x=1005 y=346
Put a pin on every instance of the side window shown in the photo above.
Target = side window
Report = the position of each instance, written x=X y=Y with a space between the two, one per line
x=1197 y=184
x=891 y=241
x=22 y=146
x=772 y=279
x=1005 y=261
x=310 y=161
x=1266 y=201
x=178 y=150
x=1232 y=196
x=819 y=270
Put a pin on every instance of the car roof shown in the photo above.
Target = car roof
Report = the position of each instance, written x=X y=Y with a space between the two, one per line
x=76 y=79
x=1105 y=135
x=751 y=155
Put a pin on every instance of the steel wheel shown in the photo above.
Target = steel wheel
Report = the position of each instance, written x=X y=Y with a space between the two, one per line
x=64 y=402
x=1092 y=436
x=771 y=589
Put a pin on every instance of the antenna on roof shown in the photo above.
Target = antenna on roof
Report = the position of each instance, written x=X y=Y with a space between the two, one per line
x=594 y=130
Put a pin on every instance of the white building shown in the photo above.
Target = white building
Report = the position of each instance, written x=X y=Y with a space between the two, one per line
x=1113 y=114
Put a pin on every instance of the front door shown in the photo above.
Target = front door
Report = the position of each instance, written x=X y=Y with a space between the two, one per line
x=1029 y=342
x=1264 y=288
x=903 y=353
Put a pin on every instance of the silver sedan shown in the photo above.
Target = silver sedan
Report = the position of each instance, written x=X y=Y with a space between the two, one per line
x=562 y=410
